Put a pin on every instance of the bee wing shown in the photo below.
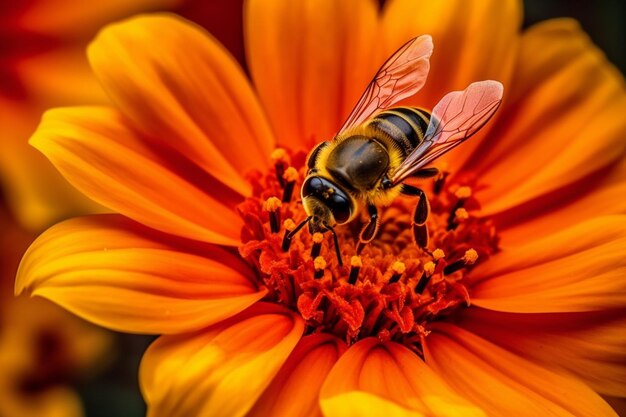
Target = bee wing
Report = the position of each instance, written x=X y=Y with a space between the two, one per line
x=454 y=119
x=401 y=76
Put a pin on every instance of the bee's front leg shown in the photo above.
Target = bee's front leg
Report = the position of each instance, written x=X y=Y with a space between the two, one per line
x=369 y=231
x=420 y=215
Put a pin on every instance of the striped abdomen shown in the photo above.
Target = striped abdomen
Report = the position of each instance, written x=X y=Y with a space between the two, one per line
x=405 y=125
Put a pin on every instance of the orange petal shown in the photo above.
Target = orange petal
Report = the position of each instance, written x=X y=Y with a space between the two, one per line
x=474 y=40
x=295 y=389
x=545 y=139
x=590 y=346
x=579 y=269
x=593 y=197
x=119 y=274
x=221 y=370
x=178 y=85
x=504 y=384
x=310 y=61
x=101 y=155
x=375 y=378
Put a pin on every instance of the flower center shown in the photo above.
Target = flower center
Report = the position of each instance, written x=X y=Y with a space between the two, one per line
x=393 y=289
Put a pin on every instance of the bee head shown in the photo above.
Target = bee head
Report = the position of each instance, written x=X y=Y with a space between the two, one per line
x=326 y=202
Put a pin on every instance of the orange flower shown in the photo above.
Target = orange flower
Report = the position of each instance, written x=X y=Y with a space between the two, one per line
x=187 y=158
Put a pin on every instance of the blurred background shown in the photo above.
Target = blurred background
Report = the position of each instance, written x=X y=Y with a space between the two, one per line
x=51 y=363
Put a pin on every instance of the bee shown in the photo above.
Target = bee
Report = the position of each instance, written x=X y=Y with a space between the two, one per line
x=379 y=146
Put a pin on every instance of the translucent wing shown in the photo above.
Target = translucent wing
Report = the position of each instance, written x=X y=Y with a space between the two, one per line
x=401 y=76
x=454 y=119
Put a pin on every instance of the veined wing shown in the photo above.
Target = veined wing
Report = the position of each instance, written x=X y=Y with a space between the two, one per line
x=454 y=119
x=401 y=76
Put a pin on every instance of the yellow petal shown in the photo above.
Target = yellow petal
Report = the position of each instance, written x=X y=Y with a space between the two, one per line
x=590 y=346
x=119 y=274
x=295 y=389
x=373 y=377
x=101 y=155
x=310 y=61
x=579 y=269
x=504 y=384
x=221 y=370
x=563 y=121
x=178 y=85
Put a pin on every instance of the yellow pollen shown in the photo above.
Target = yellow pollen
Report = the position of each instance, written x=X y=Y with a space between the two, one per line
x=291 y=174
x=429 y=268
x=470 y=256
x=356 y=262
x=318 y=237
x=463 y=192
x=461 y=214
x=319 y=263
x=272 y=204
x=279 y=155
x=438 y=254
x=398 y=267
x=289 y=225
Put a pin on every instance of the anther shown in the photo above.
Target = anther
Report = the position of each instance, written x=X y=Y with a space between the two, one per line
x=355 y=268
x=440 y=182
x=272 y=206
x=469 y=258
x=289 y=181
x=462 y=193
x=398 y=269
x=318 y=238
x=319 y=264
x=438 y=254
x=429 y=270
x=280 y=159
x=460 y=215
x=289 y=226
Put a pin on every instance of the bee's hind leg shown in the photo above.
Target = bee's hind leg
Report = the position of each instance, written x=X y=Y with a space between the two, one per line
x=369 y=231
x=420 y=215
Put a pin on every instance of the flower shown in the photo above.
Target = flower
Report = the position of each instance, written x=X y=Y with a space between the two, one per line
x=44 y=349
x=516 y=310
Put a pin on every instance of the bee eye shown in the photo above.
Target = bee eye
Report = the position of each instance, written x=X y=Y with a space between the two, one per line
x=329 y=193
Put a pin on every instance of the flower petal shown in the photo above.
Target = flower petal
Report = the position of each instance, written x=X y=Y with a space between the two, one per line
x=101 y=155
x=221 y=370
x=579 y=269
x=590 y=346
x=310 y=61
x=178 y=85
x=474 y=40
x=119 y=274
x=504 y=384
x=373 y=377
x=546 y=139
x=295 y=389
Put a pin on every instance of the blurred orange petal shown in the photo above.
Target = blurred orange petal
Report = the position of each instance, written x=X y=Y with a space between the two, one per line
x=504 y=384
x=181 y=87
x=590 y=346
x=222 y=370
x=119 y=274
x=579 y=269
x=101 y=155
x=310 y=61
x=545 y=138
x=375 y=378
x=295 y=389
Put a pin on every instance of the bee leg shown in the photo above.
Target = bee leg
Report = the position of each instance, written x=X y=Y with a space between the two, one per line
x=426 y=173
x=369 y=231
x=420 y=214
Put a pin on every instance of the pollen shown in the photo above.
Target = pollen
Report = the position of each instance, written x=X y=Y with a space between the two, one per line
x=470 y=257
x=463 y=193
x=391 y=289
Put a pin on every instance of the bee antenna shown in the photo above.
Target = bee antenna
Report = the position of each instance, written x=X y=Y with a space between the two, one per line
x=300 y=226
x=331 y=230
